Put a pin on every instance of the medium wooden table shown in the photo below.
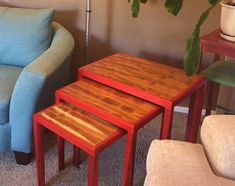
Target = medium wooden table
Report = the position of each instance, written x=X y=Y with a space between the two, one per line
x=161 y=84
x=117 y=107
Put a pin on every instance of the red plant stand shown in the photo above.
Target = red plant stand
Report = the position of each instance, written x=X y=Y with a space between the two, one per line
x=215 y=44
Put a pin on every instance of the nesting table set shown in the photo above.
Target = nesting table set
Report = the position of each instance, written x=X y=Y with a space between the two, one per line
x=116 y=96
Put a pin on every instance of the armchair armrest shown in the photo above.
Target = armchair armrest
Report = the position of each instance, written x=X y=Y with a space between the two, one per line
x=35 y=87
x=178 y=163
x=218 y=139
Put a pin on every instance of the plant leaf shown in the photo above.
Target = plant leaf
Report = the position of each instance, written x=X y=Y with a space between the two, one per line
x=192 y=51
x=192 y=54
x=213 y=2
x=173 y=6
x=135 y=8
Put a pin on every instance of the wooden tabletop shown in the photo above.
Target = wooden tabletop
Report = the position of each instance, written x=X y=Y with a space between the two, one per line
x=133 y=73
x=87 y=127
x=123 y=106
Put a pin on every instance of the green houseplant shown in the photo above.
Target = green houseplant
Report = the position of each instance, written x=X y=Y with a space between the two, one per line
x=192 y=50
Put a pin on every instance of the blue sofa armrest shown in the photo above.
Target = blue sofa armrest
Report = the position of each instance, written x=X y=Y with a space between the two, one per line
x=35 y=87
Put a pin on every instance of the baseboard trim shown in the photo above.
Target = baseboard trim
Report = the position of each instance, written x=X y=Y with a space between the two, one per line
x=185 y=110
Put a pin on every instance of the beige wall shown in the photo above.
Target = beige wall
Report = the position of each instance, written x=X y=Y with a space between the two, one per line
x=155 y=34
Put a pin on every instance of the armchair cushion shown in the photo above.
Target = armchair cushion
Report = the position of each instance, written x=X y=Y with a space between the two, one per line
x=218 y=139
x=24 y=35
x=8 y=77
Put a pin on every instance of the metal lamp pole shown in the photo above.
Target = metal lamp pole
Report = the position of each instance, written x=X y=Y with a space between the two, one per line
x=87 y=29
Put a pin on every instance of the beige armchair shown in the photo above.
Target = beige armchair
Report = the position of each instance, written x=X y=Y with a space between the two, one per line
x=177 y=163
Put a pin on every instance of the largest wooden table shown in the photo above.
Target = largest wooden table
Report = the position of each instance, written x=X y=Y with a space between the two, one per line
x=161 y=84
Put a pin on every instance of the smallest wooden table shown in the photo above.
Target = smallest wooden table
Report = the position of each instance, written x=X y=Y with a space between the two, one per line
x=84 y=130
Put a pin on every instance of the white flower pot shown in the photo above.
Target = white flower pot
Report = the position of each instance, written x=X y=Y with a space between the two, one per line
x=227 y=21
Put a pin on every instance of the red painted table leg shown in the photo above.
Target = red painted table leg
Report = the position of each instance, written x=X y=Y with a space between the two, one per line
x=129 y=158
x=39 y=153
x=76 y=155
x=194 y=115
x=60 y=146
x=93 y=170
x=210 y=86
x=167 y=116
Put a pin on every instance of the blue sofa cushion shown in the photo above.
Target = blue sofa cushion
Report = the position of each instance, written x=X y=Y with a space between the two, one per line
x=8 y=77
x=24 y=35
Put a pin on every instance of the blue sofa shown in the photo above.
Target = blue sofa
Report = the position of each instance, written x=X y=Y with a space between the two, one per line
x=29 y=73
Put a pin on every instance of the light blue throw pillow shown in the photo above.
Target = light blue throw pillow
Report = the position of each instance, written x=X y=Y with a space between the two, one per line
x=24 y=34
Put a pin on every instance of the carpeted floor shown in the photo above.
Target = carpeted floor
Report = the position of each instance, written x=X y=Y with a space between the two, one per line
x=111 y=160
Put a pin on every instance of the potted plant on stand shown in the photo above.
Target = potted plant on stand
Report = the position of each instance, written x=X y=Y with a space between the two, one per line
x=192 y=50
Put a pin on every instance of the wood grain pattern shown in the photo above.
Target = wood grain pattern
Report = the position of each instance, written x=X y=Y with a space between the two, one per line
x=157 y=79
x=118 y=103
x=84 y=125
